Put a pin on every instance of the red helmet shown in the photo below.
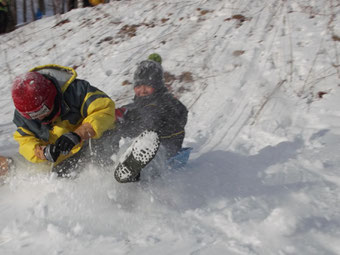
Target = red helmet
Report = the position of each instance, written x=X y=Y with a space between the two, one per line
x=33 y=95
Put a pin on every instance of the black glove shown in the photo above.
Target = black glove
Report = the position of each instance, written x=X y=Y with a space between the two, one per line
x=51 y=153
x=67 y=141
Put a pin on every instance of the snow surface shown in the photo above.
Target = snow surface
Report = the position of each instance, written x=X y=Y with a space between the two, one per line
x=261 y=81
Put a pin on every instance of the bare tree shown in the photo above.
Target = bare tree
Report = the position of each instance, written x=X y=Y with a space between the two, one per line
x=24 y=11
x=80 y=3
x=63 y=6
x=71 y=4
x=32 y=10
x=12 y=12
x=54 y=7
x=58 y=6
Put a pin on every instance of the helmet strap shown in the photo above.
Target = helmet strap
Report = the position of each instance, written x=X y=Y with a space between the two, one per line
x=55 y=112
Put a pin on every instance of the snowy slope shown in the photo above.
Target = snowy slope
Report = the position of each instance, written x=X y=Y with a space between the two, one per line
x=261 y=81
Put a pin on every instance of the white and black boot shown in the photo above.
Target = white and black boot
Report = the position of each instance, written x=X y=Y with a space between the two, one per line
x=137 y=156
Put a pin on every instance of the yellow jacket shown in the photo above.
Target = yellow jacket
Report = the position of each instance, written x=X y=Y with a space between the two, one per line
x=81 y=103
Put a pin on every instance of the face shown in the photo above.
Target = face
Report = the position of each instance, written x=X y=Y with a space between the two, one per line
x=143 y=90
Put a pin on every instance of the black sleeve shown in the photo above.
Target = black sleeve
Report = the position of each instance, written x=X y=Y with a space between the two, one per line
x=152 y=117
x=165 y=118
x=137 y=120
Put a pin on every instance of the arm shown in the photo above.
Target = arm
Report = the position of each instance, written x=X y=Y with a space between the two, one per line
x=29 y=146
x=100 y=116
x=167 y=119
x=151 y=117
x=96 y=108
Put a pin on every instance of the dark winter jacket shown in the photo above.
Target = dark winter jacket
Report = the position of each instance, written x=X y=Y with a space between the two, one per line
x=160 y=112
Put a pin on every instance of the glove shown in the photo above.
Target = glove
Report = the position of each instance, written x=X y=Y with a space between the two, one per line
x=67 y=141
x=119 y=113
x=51 y=153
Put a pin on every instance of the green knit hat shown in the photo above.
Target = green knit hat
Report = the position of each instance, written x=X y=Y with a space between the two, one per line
x=155 y=57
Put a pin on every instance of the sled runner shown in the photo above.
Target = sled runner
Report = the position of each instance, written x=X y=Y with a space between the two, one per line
x=180 y=159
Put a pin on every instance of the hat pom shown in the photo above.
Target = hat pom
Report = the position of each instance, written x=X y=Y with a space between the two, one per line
x=155 y=57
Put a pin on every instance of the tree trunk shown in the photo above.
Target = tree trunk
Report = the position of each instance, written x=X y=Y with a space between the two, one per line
x=12 y=12
x=24 y=11
x=63 y=6
x=54 y=7
x=80 y=4
x=57 y=5
x=71 y=4
x=32 y=10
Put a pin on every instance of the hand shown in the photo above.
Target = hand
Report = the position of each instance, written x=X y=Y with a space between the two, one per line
x=51 y=153
x=67 y=141
x=5 y=164
x=39 y=151
x=119 y=113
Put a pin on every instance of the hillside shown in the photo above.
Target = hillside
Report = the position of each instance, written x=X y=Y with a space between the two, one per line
x=261 y=81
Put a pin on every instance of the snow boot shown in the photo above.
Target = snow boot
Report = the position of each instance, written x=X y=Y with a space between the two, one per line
x=137 y=156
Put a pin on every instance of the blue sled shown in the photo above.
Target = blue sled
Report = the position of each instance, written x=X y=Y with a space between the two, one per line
x=180 y=159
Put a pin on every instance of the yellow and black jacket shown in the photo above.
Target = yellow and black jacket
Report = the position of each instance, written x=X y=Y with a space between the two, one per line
x=81 y=103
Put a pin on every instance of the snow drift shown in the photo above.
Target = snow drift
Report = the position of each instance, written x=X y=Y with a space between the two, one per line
x=261 y=82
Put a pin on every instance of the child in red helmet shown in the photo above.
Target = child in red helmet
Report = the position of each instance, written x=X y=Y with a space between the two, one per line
x=56 y=114
x=36 y=97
